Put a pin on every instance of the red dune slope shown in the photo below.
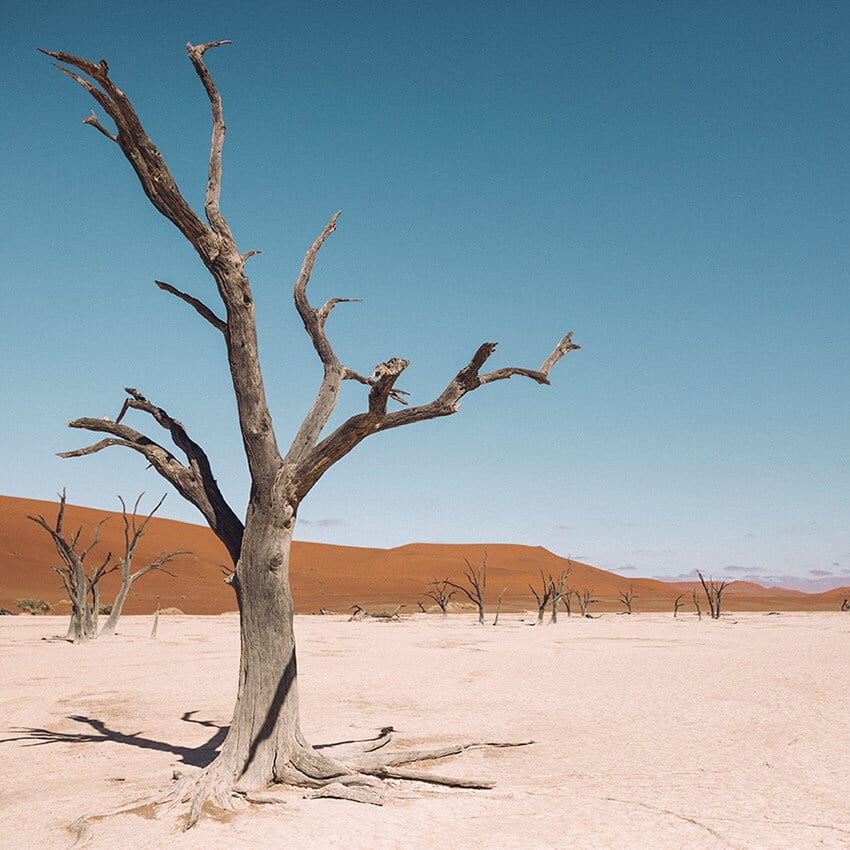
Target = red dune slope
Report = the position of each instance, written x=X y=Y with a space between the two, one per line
x=325 y=576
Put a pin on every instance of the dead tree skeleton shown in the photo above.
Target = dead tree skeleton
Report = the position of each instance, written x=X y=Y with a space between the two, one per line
x=695 y=597
x=441 y=594
x=264 y=743
x=627 y=597
x=133 y=533
x=499 y=606
x=78 y=584
x=559 y=592
x=584 y=597
x=543 y=597
x=713 y=592
x=477 y=581
x=677 y=604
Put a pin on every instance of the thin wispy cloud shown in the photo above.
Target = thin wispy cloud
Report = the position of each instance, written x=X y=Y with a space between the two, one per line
x=329 y=522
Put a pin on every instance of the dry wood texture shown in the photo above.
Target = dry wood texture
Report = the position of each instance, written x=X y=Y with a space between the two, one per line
x=264 y=743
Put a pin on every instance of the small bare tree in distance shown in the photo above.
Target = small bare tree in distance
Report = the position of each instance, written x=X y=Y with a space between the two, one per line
x=542 y=597
x=499 y=606
x=441 y=594
x=79 y=585
x=584 y=597
x=264 y=743
x=133 y=533
x=695 y=597
x=558 y=590
x=627 y=597
x=677 y=603
x=713 y=592
x=476 y=580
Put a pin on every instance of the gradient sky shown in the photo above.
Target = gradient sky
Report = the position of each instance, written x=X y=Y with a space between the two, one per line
x=669 y=182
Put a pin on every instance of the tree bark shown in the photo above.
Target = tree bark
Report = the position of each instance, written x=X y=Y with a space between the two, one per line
x=264 y=743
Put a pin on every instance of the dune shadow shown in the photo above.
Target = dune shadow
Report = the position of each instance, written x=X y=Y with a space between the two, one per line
x=196 y=756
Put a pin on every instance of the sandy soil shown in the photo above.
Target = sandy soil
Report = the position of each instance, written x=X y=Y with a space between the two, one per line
x=651 y=732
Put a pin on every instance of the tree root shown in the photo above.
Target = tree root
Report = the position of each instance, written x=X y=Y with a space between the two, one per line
x=358 y=778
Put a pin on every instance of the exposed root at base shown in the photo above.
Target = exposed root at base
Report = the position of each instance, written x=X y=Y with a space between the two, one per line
x=358 y=778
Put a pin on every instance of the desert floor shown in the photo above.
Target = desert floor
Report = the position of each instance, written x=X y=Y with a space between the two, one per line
x=651 y=731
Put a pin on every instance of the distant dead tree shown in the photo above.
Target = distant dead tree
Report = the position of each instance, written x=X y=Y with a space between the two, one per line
x=558 y=590
x=543 y=597
x=677 y=603
x=845 y=605
x=133 y=533
x=713 y=590
x=155 y=620
x=627 y=597
x=567 y=599
x=695 y=597
x=360 y=613
x=477 y=581
x=441 y=594
x=499 y=606
x=584 y=597
x=81 y=587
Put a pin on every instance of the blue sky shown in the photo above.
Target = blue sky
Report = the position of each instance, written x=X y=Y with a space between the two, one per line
x=670 y=182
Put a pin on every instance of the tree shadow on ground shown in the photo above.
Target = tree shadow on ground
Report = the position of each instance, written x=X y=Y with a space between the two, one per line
x=196 y=756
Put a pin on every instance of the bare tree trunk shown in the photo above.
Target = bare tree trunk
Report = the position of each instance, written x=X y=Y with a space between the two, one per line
x=477 y=581
x=543 y=597
x=78 y=584
x=441 y=594
x=627 y=598
x=584 y=597
x=265 y=733
x=499 y=607
x=264 y=743
x=155 y=620
x=133 y=533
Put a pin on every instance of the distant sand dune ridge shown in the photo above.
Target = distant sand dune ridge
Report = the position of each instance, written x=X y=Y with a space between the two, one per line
x=333 y=577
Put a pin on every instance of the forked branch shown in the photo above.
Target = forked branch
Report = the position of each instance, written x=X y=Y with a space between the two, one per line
x=156 y=179
x=194 y=481
x=211 y=205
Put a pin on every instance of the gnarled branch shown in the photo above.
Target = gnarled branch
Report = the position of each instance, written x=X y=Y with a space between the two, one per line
x=194 y=482
x=157 y=181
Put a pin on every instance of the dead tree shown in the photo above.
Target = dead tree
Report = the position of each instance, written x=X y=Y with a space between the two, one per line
x=264 y=743
x=559 y=590
x=677 y=603
x=713 y=591
x=81 y=587
x=133 y=533
x=476 y=579
x=542 y=598
x=584 y=597
x=360 y=613
x=441 y=594
x=845 y=605
x=567 y=599
x=499 y=607
x=627 y=597
x=155 y=625
x=695 y=597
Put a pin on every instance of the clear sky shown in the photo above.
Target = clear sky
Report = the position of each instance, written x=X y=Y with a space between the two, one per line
x=669 y=180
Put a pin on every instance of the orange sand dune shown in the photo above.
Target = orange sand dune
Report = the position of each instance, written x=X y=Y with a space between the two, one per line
x=325 y=576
